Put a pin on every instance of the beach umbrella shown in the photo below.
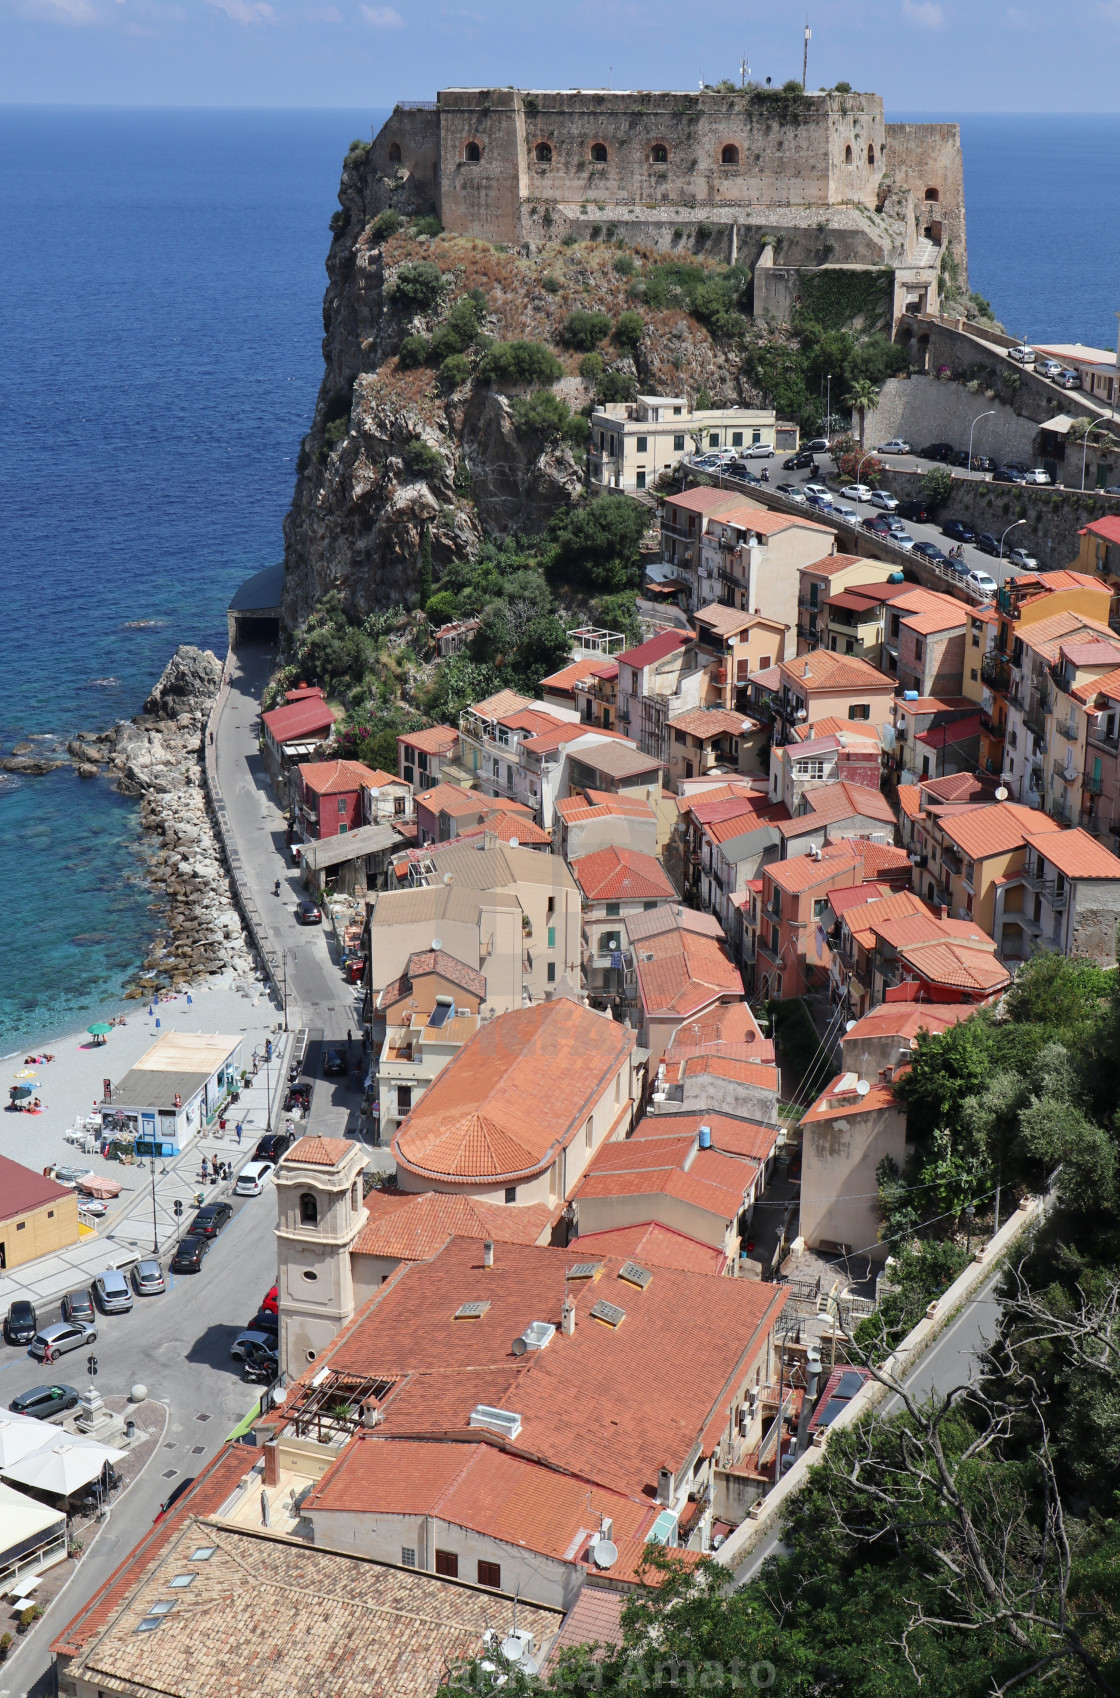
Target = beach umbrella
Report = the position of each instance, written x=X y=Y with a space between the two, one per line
x=62 y=1468
x=101 y=1030
x=22 y=1090
x=20 y=1436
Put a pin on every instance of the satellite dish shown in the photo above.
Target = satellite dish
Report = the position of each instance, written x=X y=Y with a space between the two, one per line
x=862 y=1087
x=437 y=943
x=515 y=842
x=448 y=878
x=605 y=1554
x=280 y=1395
x=1001 y=793
x=852 y=1024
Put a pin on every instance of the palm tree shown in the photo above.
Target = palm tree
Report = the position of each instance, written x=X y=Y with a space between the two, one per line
x=862 y=398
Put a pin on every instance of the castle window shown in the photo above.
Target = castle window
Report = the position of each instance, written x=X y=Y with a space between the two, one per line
x=730 y=155
x=598 y=153
x=308 y=1209
x=933 y=194
x=544 y=153
x=871 y=153
x=394 y=153
x=848 y=155
x=659 y=154
x=472 y=153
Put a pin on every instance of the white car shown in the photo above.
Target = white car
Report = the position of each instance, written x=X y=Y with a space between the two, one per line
x=1024 y=558
x=1068 y=380
x=253 y=1178
x=1037 y=475
x=848 y=514
x=858 y=492
x=894 y=446
x=1049 y=368
x=884 y=500
x=982 y=584
x=1022 y=355
x=758 y=451
x=902 y=539
x=819 y=490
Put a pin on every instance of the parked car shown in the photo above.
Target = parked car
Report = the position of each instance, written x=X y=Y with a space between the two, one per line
x=265 y=1320
x=820 y=490
x=815 y=445
x=982 y=463
x=1008 y=474
x=877 y=524
x=941 y=451
x=272 y=1146
x=987 y=543
x=982 y=584
x=915 y=510
x=262 y=1365
x=848 y=514
x=170 y=1501
x=271 y=1300
x=737 y=469
x=78 y=1306
x=762 y=451
x=1038 y=475
x=147 y=1277
x=1023 y=558
x=894 y=446
x=902 y=539
x=1048 y=368
x=1068 y=379
x=1022 y=355
x=188 y=1256
x=237 y=1350
x=792 y=492
x=894 y=523
x=335 y=1063
x=884 y=500
x=43 y=1401
x=1111 y=489
x=823 y=503
x=805 y=461
x=210 y=1220
x=857 y=492
x=930 y=551
x=253 y=1178
x=958 y=531
x=706 y=463
x=959 y=568
x=307 y=914
x=20 y=1324
x=112 y=1293
x=62 y=1337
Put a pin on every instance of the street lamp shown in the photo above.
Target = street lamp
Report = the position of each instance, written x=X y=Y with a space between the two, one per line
x=1012 y=526
x=1085 y=447
x=155 y=1219
x=975 y=422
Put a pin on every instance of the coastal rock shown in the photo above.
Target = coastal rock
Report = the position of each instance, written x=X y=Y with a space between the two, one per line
x=188 y=684
x=31 y=766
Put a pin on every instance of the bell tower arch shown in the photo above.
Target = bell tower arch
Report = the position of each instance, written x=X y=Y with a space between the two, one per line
x=320 y=1212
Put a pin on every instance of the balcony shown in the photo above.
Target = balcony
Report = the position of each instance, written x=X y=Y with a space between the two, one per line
x=1060 y=810
x=995 y=670
x=1101 y=739
x=765 y=953
x=1068 y=729
x=951 y=861
x=1063 y=774
x=1094 y=783
x=1034 y=718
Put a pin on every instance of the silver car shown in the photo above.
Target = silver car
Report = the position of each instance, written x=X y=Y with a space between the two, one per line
x=147 y=1277
x=63 y=1336
x=251 y=1335
x=112 y=1293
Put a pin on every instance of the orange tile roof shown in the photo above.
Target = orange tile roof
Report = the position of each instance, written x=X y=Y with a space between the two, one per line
x=907 y=1019
x=319 y=1152
x=837 y=800
x=732 y=1134
x=955 y=966
x=504 y=701
x=830 y=726
x=654 y=1246
x=328 y=778
x=573 y=674
x=516 y=1093
x=449 y=799
x=804 y=871
x=681 y=971
x=746 y=1072
x=413 y=1225
x=726 y=1023
x=1075 y=854
x=865 y=921
x=835 y=563
x=636 y=805
x=926 y=622
x=666 y=1163
x=435 y=740
x=823 y=670
x=713 y=722
x=832 y=1103
x=766 y=523
x=448 y=966
x=507 y=826
x=297 y=721
x=614 y=874
x=1045 y=636
x=594 y=1619
x=729 y=621
x=610 y=1404
x=704 y=499
x=910 y=800
x=880 y=859
x=736 y=824
x=957 y=787
x=994 y=828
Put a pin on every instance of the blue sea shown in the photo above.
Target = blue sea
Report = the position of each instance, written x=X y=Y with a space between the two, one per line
x=161 y=281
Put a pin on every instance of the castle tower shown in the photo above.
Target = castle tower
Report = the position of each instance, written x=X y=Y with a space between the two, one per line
x=320 y=1212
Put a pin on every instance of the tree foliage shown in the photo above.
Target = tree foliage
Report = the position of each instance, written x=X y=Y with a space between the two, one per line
x=520 y=362
x=596 y=545
x=583 y=331
x=417 y=285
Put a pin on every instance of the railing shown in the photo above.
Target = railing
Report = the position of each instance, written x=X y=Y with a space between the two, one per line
x=1063 y=774
x=1034 y=718
x=995 y=670
x=1068 y=730
x=1094 y=783
x=1060 y=810
x=952 y=860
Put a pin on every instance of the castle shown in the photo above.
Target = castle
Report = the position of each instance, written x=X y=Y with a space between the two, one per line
x=778 y=180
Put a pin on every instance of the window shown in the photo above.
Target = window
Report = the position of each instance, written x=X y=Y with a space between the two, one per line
x=355 y=1201
x=490 y=1573
x=310 y=1275
x=736 y=439
x=925 y=766
x=653 y=903
x=552 y=937
x=342 y=804
x=775 y=940
x=730 y=155
x=394 y=153
x=308 y=1209
x=713 y=439
x=544 y=157
x=871 y=153
x=447 y=1563
x=918 y=651
x=472 y=153
x=589 y=1134
x=404 y=1099
x=849 y=645
x=408 y=1557
x=409 y=775
x=643 y=444
x=848 y=155
x=933 y=194
x=550 y=973
x=973 y=674
x=860 y=710
x=511 y=1193
x=678 y=444
x=688 y=769
x=614 y=909
x=659 y=154
x=599 y=157
x=640 y=480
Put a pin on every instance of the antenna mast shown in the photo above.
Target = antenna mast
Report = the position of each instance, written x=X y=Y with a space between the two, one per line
x=805 y=58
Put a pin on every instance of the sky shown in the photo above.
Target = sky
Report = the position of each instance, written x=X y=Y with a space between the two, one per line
x=939 y=57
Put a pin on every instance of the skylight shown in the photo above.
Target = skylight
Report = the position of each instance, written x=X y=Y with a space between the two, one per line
x=634 y=1274
x=149 y=1624
x=608 y=1312
x=183 y=1580
x=203 y=1553
x=165 y=1607
x=583 y=1270
x=472 y=1311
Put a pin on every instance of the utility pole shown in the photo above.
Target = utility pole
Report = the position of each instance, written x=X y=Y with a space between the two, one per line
x=155 y=1218
x=805 y=58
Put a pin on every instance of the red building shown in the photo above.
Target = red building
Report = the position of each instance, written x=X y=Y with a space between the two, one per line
x=330 y=796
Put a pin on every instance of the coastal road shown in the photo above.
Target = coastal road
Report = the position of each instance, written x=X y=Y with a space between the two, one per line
x=177 y=1345
x=327 y=1005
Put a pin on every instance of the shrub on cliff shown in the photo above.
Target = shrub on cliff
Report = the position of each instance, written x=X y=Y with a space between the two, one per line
x=617 y=386
x=629 y=330
x=417 y=286
x=357 y=152
x=441 y=608
x=937 y=485
x=545 y=413
x=597 y=544
x=592 y=367
x=455 y=333
x=414 y=351
x=429 y=225
x=520 y=362
x=386 y=224
x=584 y=330
x=423 y=461
x=455 y=371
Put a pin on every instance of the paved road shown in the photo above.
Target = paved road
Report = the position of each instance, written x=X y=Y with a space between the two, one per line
x=948 y=1363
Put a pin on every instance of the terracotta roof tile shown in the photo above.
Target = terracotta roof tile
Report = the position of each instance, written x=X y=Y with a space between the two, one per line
x=450 y=799
x=505 y=701
x=704 y=499
x=319 y=1152
x=831 y=1102
x=1075 y=854
x=297 y=721
x=413 y=1225
x=587 y=667
x=329 y=778
x=713 y=722
x=666 y=1163
x=823 y=670
x=423 y=961
x=435 y=740
x=622 y=874
x=729 y=621
x=994 y=828
x=907 y=1019
x=681 y=971
x=652 y=1245
x=665 y=643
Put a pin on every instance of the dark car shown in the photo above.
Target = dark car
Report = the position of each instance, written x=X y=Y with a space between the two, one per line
x=928 y=551
x=877 y=524
x=20 y=1324
x=987 y=543
x=307 y=914
x=78 y=1306
x=805 y=461
x=335 y=1062
x=188 y=1257
x=42 y=1401
x=265 y=1320
x=272 y=1146
x=916 y=510
x=170 y=1502
x=739 y=469
x=1008 y=474
x=942 y=451
x=958 y=531
x=210 y=1219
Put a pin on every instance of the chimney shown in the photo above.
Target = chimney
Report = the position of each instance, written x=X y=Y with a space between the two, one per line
x=488 y=1253
x=664 y=1485
x=942 y=911
x=272 y=1463
x=805 y=673
x=567 y=1317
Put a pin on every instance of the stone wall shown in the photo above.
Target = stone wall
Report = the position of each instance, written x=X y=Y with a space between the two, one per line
x=926 y=159
x=1096 y=922
x=922 y=410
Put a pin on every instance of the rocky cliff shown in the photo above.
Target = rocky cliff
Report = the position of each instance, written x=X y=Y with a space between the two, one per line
x=394 y=447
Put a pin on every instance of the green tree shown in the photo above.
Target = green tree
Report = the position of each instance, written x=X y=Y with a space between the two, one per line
x=424 y=461
x=426 y=567
x=441 y=607
x=936 y=485
x=414 y=351
x=629 y=330
x=520 y=362
x=583 y=331
x=596 y=544
x=862 y=398
x=417 y=285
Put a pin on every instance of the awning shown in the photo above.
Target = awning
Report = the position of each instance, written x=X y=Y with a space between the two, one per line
x=1059 y=426
x=64 y=1467
x=25 y=1524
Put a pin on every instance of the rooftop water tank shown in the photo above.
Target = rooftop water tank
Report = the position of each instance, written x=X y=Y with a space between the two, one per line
x=910 y=696
x=704 y=1137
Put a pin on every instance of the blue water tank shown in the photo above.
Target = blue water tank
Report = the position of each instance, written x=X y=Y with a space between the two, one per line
x=896 y=578
x=910 y=696
x=704 y=1137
